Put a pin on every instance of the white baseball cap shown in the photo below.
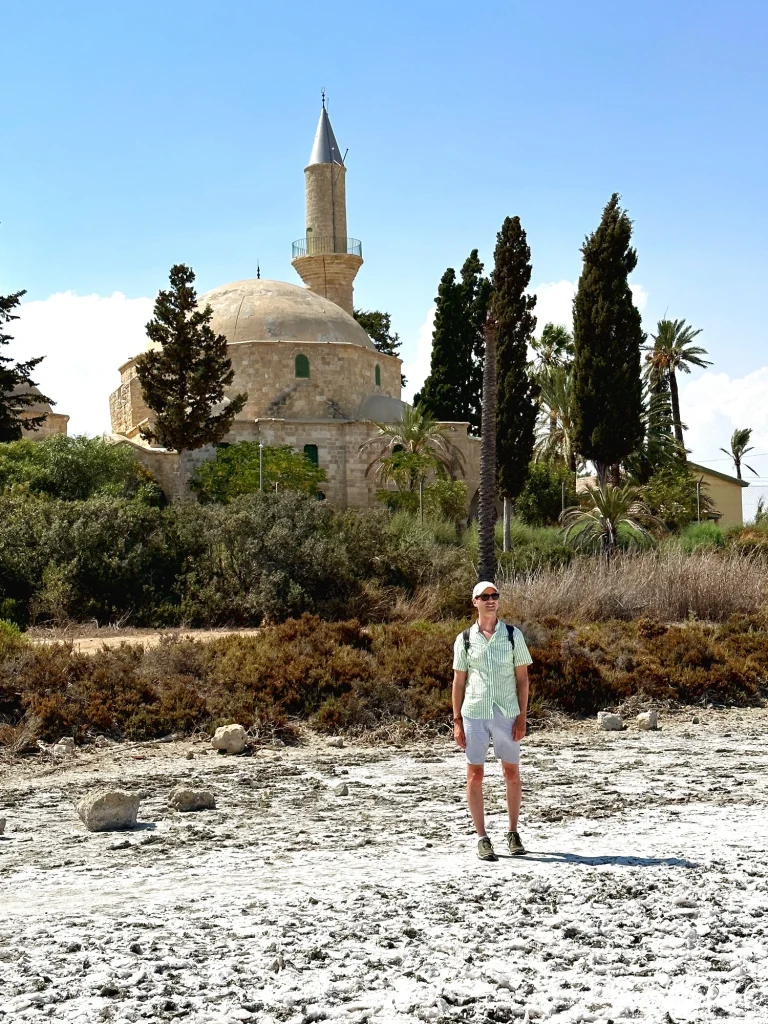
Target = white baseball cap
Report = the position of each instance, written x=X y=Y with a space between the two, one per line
x=480 y=587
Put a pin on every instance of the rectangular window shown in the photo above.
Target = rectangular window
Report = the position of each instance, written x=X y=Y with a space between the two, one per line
x=310 y=450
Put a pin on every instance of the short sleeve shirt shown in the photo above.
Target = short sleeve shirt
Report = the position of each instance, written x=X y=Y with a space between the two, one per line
x=490 y=666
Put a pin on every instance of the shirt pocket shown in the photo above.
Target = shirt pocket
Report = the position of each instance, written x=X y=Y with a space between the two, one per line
x=503 y=656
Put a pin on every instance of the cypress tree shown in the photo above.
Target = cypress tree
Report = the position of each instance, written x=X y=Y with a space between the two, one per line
x=443 y=392
x=185 y=377
x=16 y=381
x=517 y=391
x=607 y=336
x=452 y=391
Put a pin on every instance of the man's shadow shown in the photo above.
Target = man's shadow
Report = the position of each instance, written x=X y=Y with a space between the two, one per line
x=576 y=858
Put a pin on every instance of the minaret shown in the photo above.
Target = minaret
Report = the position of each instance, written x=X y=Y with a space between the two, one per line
x=326 y=260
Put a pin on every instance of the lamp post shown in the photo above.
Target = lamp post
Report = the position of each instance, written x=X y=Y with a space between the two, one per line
x=261 y=467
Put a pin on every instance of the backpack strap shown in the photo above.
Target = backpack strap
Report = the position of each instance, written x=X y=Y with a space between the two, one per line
x=510 y=636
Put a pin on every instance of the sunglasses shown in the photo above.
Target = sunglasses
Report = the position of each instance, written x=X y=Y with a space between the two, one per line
x=488 y=597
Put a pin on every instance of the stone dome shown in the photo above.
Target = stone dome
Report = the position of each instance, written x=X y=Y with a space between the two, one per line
x=256 y=310
x=36 y=408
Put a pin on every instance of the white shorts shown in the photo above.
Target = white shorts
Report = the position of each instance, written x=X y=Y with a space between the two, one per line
x=478 y=733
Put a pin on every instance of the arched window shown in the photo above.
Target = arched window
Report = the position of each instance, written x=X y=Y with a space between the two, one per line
x=377 y=375
x=310 y=450
x=302 y=366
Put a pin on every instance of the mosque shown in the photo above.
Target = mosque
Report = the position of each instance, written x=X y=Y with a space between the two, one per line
x=314 y=378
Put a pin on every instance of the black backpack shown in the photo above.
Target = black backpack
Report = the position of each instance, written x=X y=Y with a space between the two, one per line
x=510 y=636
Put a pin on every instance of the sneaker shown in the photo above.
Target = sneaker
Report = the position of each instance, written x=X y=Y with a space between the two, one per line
x=485 y=850
x=515 y=845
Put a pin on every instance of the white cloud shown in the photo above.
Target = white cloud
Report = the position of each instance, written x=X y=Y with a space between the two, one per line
x=416 y=369
x=84 y=339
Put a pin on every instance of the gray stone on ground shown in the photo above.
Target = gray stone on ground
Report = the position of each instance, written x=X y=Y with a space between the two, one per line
x=340 y=789
x=190 y=755
x=107 y=810
x=609 y=722
x=183 y=798
x=2 y=825
x=647 y=721
x=336 y=741
x=64 y=748
x=229 y=738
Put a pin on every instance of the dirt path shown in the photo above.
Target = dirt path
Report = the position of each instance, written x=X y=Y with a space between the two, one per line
x=644 y=896
x=147 y=638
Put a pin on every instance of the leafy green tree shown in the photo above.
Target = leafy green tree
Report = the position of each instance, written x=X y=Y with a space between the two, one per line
x=75 y=469
x=237 y=470
x=605 y=512
x=607 y=337
x=740 y=447
x=378 y=327
x=416 y=433
x=183 y=379
x=452 y=390
x=516 y=402
x=672 y=495
x=16 y=382
x=549 y=488
x=671 y=352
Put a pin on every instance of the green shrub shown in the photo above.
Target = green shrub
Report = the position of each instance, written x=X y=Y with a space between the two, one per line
x=541 y=500
x=701 y=535
x=672 y=496
x=74 y=469
x=241 y=468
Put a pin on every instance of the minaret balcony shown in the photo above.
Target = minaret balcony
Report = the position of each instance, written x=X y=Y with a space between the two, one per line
x=314 y=245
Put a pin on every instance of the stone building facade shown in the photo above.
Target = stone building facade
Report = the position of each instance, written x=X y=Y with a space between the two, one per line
x=313 y=377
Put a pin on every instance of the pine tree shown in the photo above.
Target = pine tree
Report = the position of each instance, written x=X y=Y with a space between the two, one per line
x=517 y=405
x=16 y=381
x=607 y=337
x=452 y=391
x=185 y=377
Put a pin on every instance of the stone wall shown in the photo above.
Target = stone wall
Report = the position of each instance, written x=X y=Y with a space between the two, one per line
x=330 y=275
x=326 y=202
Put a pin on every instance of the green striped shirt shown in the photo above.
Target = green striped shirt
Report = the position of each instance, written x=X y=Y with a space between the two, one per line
x=490 y=666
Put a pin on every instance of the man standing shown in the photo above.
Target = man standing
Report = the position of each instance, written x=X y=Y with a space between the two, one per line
x=490 y=700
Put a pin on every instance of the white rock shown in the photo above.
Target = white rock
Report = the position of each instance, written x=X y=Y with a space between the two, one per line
x=106 y=810
x=609 y=722
x=64 y=748
x=185 y=799
x=341 y=789
x=335 y=741
x=647 y=720
x=230 y=738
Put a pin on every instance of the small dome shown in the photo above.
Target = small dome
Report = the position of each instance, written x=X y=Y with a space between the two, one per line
x=37 y=408
x=256 y=310
x=381 y=409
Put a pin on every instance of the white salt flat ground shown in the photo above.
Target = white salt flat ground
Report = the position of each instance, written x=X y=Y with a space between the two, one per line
x=644 y=897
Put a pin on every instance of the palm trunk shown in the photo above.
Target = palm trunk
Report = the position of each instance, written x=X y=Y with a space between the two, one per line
x=737 y=464
x=676 y=408
x=487 y=504
x=507 y=524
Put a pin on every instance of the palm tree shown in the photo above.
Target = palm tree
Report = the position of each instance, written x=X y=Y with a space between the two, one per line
x=554 y=347
x=555 y=431
x=407 y=449
x=486 y=514
x=671 y=352
x=739 y=443
x=595 y=524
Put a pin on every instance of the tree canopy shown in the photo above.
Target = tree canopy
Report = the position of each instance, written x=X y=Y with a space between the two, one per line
x=184 y=378
x=16 y=381
x=607 y=336
x=517 y=392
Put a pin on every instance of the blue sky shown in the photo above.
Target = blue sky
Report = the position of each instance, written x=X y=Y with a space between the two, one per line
x=136 y=136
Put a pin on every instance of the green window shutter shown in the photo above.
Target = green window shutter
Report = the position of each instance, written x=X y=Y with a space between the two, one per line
x=302 y=366
x=377 y=376
x=310 y=450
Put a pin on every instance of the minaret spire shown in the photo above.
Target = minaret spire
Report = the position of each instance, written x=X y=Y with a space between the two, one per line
x=326 y=259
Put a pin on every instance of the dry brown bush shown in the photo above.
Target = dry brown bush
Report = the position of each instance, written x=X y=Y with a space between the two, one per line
x=667 y=585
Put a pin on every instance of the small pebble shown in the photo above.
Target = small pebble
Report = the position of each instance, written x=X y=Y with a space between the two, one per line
x=341 y=789
x=336 y=741
x=190 y=755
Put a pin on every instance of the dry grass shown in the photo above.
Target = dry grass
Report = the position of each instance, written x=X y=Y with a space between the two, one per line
x=667 y=585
